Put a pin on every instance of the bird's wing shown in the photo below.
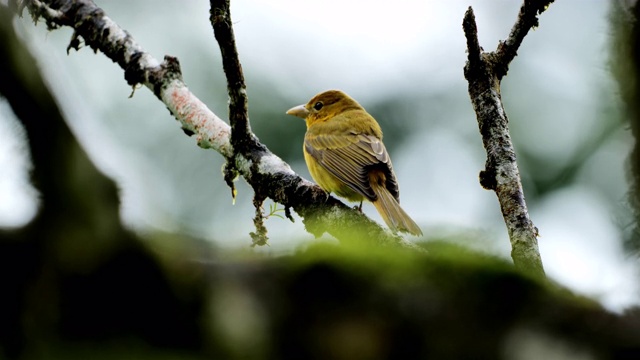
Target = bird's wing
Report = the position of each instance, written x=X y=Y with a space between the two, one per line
x=351 y=157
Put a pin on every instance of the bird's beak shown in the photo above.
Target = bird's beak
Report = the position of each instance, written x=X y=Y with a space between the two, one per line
x=299 y=111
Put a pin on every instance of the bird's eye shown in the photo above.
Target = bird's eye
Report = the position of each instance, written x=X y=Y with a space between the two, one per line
x=317 y=106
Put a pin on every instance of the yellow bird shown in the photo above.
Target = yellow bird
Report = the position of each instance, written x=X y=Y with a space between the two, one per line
x=345 y=155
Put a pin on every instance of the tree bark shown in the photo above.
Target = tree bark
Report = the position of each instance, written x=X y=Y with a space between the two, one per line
x=484 y=71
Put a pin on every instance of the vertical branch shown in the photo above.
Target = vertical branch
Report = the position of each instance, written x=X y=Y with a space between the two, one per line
x=220 y=17
x=484 y=71
x=625 y=66
x=242 y=138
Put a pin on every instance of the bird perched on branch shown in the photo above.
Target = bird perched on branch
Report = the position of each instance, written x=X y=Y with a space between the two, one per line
x=345 y=155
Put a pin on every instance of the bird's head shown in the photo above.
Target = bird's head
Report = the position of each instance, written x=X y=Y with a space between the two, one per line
x=324 y=106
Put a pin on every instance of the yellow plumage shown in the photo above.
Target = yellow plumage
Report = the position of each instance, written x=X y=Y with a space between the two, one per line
x=345 y=155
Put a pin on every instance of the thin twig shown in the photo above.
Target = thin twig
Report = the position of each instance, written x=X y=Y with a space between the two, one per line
x=527 y=19
x=484 y=71
x=238 y=102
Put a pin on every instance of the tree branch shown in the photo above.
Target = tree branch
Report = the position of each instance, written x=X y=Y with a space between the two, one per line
x=238 y=104
x=625 y=66
x=484 y=71
x=242 y=139
x=267 y=174
x=527 y=19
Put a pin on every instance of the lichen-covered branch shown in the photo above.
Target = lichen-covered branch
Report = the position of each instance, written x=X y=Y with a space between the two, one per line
x=265 y=172
x=483 y=71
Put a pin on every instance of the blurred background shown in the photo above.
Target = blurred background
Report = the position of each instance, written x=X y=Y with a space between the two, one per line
x=404 y=65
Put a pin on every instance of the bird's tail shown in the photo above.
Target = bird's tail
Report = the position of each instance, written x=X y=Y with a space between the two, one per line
x=391 y=212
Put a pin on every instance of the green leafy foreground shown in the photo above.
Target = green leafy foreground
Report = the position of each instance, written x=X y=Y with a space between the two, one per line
x=328 y=302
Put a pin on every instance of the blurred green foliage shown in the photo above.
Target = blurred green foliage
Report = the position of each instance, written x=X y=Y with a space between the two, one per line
x=327 y=301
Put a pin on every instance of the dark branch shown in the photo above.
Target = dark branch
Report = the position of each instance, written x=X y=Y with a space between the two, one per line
x=471 y=33
x=241 y=136
x=527 y=19
x=238 y=103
